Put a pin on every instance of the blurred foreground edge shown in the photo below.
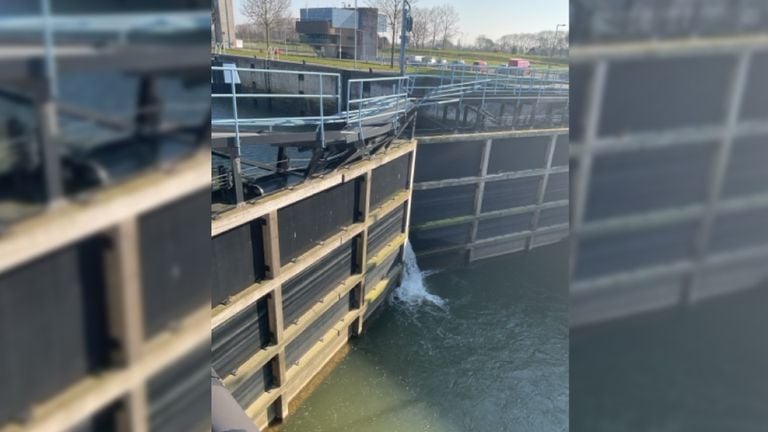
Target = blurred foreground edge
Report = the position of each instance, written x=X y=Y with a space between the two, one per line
x=104 y=211
x=668 y=154
x=669 y=203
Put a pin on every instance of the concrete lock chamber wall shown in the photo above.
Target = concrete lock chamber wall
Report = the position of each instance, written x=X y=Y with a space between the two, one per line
x=480 y=195
x=103 y=295
x=669 y=179
x=310 y=248
x=298 y=272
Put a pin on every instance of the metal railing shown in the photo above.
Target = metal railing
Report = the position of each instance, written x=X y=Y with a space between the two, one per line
x=500 y=82
x=360 y=108
x=229 y=74
x=369 y=102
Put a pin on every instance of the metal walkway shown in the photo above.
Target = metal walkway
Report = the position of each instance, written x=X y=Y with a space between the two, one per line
x=342 y=119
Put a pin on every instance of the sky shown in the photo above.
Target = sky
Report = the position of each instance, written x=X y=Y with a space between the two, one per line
x=493 y=18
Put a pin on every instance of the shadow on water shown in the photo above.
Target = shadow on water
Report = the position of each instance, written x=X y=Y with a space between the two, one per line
x=493 y=358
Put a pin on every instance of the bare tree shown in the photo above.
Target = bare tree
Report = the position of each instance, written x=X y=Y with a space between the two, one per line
x=485 y=43
x=421 y=26
x=393 y=10
x=541 y=41
x=434 y=25
x=448 y=23
x=266 y=13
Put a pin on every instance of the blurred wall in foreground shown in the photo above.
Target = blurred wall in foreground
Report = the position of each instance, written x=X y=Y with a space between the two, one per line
x=669 y=154
x=104 y=215
x=669 y=208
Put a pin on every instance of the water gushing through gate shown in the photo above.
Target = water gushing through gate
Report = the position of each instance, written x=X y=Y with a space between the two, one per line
x=412 y=292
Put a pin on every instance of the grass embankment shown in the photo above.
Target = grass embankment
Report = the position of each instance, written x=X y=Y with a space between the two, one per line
x=298 y=52
x=325 y=61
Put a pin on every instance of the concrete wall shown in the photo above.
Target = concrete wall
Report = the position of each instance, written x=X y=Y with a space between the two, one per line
x=668 y=161
x=298 y=272
x=92 y=302
x=487 y=194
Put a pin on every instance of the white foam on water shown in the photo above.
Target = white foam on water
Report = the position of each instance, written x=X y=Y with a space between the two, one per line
x=412 y=291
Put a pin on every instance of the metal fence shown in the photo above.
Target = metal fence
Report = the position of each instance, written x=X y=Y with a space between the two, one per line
x=360 y=104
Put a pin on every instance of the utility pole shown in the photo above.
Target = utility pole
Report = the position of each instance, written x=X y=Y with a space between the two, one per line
x=405 y=27
x=554 y=39
x=357 y=19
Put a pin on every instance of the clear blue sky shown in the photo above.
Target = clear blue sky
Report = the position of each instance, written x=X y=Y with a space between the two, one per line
x=493 y=18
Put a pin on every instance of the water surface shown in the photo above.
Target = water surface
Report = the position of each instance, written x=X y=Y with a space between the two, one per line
x=493 y=357
x=698 y=369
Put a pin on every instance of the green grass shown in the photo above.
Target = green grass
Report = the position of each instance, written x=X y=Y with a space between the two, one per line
x=326 y=61
x=301 y=52
x=290 y=46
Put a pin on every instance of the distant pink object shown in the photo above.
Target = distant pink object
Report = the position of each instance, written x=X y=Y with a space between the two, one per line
x=521 y=63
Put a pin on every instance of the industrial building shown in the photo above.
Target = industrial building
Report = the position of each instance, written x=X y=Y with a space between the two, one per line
x=331 y=31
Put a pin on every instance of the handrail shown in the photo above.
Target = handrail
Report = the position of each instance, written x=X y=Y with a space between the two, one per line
x=388 y=99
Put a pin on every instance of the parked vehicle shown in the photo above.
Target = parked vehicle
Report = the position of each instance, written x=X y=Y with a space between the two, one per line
x=417 y=59
x=521 y=66
x=518 y=63
x=480 y=65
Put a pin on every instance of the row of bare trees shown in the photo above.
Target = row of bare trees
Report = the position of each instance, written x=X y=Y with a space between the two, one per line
x=279 y=31
x=542 y=41
x=434 y=26
x=268 y=14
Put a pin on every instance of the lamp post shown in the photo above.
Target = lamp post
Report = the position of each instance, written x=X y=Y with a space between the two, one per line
x=357 y=19
x=554 y=39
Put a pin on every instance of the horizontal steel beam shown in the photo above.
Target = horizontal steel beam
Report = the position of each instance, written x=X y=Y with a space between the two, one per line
x=674 y=48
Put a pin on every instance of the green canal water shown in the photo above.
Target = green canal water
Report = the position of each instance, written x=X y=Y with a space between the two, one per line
x=702 y=369
x=486 y=351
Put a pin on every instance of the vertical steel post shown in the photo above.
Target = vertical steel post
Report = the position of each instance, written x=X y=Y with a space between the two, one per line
x=322 y=115
x=50 y=53
x=403 y=36
x=349 y=96
x=48 y=114
x=360 y=113
x=542 y=190
x=235 y=152
x=592 y=124
x=718 y=170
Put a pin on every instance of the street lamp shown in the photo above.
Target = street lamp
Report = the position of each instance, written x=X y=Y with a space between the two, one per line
x=554 y=39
